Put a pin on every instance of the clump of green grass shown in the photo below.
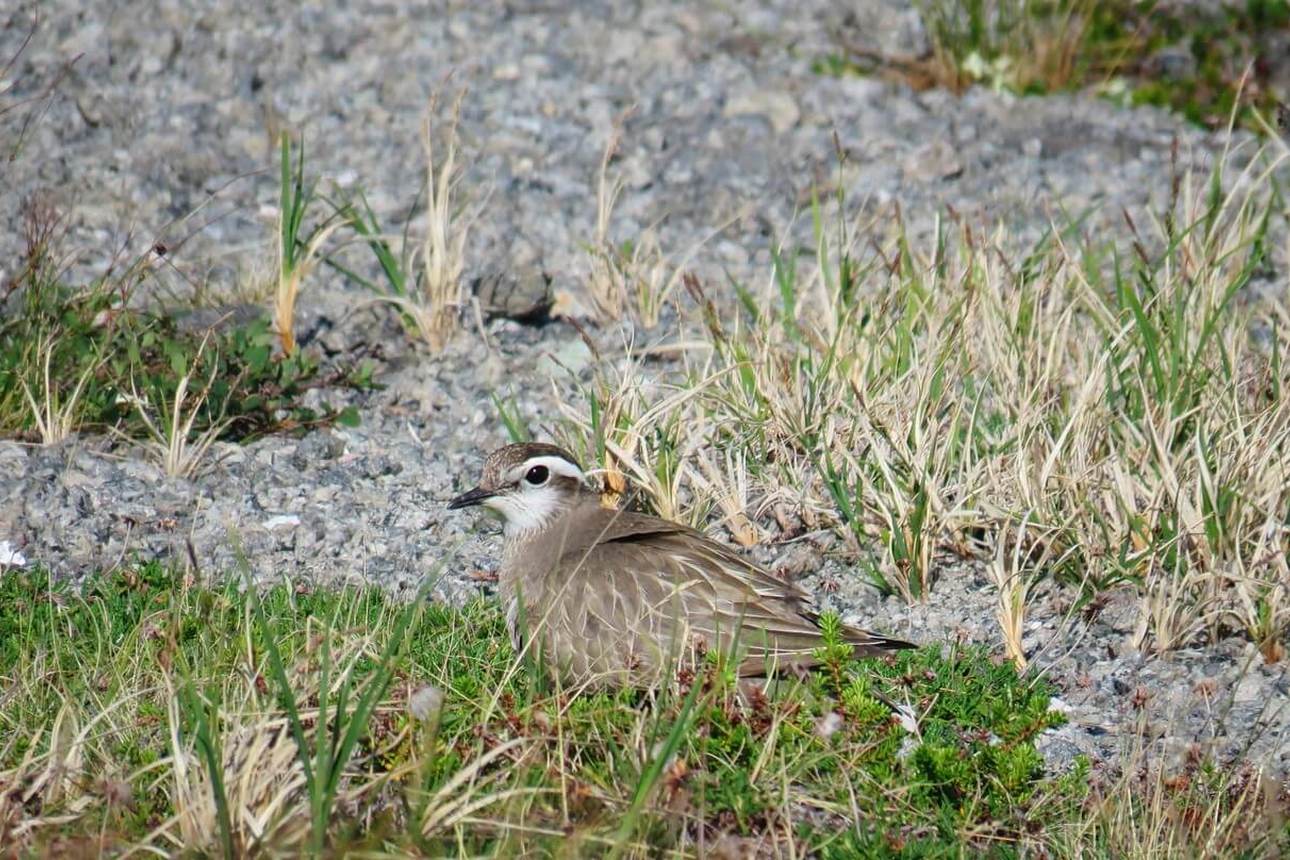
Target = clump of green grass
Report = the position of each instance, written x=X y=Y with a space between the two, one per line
x=76 y=358
x=1022 y=45
x=299 y=250
x=145 y=710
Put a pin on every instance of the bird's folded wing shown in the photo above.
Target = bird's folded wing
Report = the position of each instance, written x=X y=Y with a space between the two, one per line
x=629 y=527
x=646 y=566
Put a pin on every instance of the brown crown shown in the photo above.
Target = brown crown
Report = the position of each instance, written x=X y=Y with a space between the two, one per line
x=504 y=459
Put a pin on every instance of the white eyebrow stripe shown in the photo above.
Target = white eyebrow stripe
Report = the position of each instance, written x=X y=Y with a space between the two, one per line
x=557 y=466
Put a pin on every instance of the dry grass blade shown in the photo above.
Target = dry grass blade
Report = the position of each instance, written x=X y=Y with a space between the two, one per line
x=729 y=487
x=606 y=289
x=470 y=790
x=1011 y=581
x=291 y=279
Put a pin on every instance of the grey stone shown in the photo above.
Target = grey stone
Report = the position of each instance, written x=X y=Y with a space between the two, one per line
x=521 y=293
x=571 y=356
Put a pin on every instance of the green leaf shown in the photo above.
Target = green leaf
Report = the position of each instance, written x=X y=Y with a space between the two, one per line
x=348 y=417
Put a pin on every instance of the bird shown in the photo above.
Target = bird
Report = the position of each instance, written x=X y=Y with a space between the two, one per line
x=611 y=597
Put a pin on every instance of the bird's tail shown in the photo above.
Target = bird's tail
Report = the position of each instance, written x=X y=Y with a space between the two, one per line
x=868 y=644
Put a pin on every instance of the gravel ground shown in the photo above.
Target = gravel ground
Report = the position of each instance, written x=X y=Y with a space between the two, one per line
x=173 y=107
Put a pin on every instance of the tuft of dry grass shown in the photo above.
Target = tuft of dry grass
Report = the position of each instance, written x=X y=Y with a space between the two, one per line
x=260 y=781
x=443 y=256
x=1012 y=571
x=56 y=416
x=1145 y=809
x=637 y=279
x=171 y=440
x=424 y=282
x=604 y=286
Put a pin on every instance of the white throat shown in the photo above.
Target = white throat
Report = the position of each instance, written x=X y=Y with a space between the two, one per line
x=527 y=513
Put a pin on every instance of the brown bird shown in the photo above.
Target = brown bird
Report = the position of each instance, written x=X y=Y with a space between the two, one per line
x=616 y=597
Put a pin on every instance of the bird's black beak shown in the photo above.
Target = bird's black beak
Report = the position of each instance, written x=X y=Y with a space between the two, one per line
x=470 y=498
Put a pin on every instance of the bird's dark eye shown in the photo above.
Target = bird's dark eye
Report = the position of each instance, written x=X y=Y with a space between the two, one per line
x=537 y=475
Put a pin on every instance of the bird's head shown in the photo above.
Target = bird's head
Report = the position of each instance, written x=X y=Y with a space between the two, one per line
x=527 y=484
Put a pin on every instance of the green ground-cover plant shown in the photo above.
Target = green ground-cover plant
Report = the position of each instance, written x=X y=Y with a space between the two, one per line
x=145 y=710
x=1205 y=61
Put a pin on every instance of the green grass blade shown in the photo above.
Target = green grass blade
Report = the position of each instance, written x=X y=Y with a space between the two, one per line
x=278 y=673
x=654 y=770
x=208 y=747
